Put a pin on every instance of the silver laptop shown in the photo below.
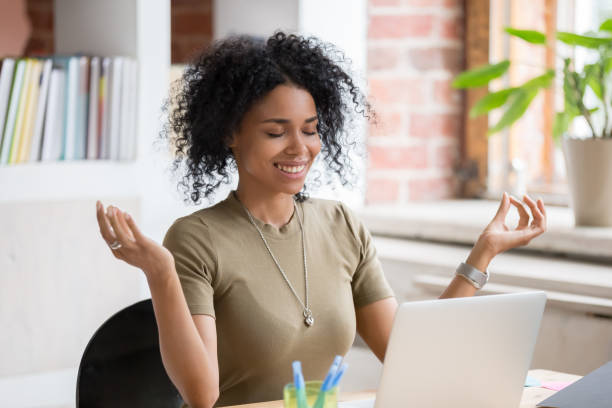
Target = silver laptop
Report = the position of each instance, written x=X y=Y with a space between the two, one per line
x=462 y=352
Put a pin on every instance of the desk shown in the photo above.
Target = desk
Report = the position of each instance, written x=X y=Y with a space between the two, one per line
x=531 y=395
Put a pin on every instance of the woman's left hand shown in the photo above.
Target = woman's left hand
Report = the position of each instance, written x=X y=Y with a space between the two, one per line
x=497 y=237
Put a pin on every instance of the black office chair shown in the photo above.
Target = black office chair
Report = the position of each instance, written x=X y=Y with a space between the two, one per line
x=122 y=367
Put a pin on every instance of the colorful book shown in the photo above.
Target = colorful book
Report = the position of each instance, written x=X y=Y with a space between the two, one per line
x=6 y=80
x=25 y=141
x=72 y=93
x=35 y=149
x=133 y=132
x=21 y=110
x=80 y=148
x=11 y=117
x=116 y=79
x=104 y=143
x=54 y=117
x=94 y=107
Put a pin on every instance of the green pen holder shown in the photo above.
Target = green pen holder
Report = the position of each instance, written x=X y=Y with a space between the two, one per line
x=312 y=392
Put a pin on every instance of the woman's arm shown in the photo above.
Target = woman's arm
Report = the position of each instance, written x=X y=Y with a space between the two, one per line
x=374 y=323
x=497 y=238
x=188 y=345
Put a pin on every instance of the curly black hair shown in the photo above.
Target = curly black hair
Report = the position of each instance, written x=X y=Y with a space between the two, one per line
x=220 y=86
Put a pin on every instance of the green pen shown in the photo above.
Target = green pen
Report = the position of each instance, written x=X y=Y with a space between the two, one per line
x=300 y=386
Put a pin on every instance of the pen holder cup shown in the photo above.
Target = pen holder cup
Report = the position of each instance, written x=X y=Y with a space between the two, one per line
x=312 y=392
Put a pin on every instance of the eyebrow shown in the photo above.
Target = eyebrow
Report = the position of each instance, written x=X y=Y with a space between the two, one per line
x=283 y=121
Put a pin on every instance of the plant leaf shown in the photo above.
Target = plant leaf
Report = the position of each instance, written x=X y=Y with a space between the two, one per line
x=561 y=124
x=481 y=75
x=606 y=25
x=521 y=100
x=491 y=101
x=583 y=40
x=592 y=78
x=542 y=81
x=531 y=36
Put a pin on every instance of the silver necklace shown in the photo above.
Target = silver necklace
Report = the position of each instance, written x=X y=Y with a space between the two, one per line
x=308 y=319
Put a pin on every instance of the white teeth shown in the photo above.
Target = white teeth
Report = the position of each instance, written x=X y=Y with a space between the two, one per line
x=291 y=169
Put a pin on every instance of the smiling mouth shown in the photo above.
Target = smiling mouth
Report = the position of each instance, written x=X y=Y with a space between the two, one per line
x=290 y=169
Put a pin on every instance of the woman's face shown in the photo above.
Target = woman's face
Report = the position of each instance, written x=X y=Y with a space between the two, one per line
x=277 y=141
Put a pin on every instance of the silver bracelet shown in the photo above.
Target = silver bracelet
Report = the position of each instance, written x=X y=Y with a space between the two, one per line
x=472 y=275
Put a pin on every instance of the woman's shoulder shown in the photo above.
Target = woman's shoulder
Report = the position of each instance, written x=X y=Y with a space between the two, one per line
x=333 y=211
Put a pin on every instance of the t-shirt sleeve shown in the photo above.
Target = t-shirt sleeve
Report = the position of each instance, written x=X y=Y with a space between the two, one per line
x=369 y=283
x=188 y=239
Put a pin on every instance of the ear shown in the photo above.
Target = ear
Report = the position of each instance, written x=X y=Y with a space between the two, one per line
x=231 y=141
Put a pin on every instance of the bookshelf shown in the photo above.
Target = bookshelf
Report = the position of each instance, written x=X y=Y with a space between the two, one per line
x=139 y=29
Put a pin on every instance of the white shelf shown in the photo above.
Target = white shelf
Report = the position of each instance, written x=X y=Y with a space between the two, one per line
x=47 y=181
x=136 y=28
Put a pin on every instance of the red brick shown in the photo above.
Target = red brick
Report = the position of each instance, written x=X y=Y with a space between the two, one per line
x=451 y=28
x=430 y=188
x=382 y=58
x=382 y=191
x=445 y=157
x=200 y=23
x=185 y=48
x=389 y=123
x=400 y=26
x=433 y=3
x=435 y=125
x=390 y=91
x=445 y=94
x=190 y=5
x=41 y=20
x=40 y=5
x=445 y=58
x=394 y=157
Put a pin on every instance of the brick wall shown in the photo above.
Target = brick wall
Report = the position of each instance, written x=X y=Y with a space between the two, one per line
x=191 y=25
x=415 y=48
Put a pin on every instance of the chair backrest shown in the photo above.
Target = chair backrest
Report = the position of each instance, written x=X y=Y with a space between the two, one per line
x=121 y=365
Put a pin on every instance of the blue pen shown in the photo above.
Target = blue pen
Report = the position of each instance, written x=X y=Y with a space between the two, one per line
x=339 y=375
x=326 y=386
x=300 y=386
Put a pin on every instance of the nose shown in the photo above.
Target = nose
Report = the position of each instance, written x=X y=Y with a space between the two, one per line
x=296 y=143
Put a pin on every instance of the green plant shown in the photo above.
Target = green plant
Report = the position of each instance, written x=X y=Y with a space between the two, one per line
x=517 y=99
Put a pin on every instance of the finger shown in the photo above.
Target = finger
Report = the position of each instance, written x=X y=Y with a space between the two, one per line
x=535 y=211
x=135 y=230
x=524 y=216
x=121 y=217
x=502 y=211
x=122 y=236
x=541 y=207
x=105 y=227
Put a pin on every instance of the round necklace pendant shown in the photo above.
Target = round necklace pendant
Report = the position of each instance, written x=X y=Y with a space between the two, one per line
x=308 y=319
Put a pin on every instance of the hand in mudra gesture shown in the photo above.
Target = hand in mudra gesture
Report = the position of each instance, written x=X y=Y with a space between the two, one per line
x=497 y=237
x=118 y=228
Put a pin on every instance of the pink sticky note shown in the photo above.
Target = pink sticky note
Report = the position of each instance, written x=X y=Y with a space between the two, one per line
x=556 y=385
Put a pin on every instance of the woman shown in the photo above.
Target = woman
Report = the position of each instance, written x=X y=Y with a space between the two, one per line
x=268 y=276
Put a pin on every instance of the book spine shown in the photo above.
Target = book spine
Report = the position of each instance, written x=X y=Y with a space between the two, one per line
x=92 y=122
x=35 y=152
x=19 y=119
x=11 y=118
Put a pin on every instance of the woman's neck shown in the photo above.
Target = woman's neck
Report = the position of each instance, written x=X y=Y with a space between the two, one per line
x=274 y=209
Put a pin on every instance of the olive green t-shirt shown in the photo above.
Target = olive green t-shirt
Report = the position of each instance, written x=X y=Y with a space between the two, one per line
x=226 y=272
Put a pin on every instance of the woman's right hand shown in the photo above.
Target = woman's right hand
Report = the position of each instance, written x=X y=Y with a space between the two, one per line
x=136 y=249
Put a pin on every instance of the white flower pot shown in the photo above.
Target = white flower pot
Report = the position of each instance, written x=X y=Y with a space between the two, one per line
x=589 y=172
